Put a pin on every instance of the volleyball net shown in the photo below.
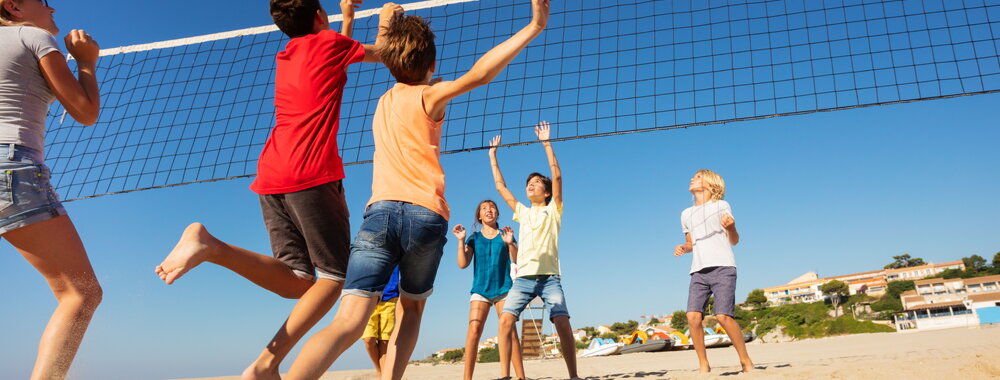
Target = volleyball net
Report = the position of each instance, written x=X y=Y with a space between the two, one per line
x=200 y=109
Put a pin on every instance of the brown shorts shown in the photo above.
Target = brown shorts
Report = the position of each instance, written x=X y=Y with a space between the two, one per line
x=310 y=230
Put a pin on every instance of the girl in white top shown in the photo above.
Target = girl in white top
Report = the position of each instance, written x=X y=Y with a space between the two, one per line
x=33 y=73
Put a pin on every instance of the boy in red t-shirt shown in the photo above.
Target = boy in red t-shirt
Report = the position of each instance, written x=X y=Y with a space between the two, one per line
x=298 y=180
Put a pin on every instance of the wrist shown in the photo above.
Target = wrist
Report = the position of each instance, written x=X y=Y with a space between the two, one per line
x=86 y=66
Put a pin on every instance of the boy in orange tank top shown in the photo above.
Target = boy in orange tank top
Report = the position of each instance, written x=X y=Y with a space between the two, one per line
x=407 y=217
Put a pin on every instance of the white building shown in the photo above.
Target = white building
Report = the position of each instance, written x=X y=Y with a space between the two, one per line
x=938 y=303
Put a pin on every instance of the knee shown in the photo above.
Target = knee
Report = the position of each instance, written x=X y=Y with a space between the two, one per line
x=724 y=318
x=370 y=342
x=694 y=318
x=506 y=321
x=476 y=326
x=85 y=292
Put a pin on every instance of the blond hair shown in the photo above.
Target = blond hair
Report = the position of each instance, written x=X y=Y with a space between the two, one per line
x=5 y=17
x=714 y=183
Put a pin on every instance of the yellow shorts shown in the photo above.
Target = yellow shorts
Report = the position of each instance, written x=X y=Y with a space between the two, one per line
x=382 y=321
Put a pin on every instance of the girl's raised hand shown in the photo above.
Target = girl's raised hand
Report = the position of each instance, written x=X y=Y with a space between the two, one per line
x=508 y=234
x=542 y=130
x=494 y=143
x=459 y=232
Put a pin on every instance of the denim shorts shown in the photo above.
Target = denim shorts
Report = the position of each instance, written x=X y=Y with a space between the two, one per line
x=715 y=281
x=526 y=288
x=396 y=233
x=26 y=195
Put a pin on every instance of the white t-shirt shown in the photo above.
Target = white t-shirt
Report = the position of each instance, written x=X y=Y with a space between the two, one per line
x=709 y=240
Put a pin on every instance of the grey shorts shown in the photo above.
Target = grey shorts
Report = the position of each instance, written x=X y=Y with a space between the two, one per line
x=310 y=230
x=26 y=195
x=717 y=281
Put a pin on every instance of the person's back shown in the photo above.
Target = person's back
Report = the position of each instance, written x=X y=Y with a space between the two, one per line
x=407 y=165
x=301 y=151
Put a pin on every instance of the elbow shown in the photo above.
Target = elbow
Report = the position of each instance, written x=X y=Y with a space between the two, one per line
x=87 y=117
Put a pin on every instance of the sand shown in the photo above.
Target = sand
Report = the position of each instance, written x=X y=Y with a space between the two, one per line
x=944 y=354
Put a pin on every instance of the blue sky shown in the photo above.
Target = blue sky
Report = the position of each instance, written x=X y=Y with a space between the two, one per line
x=834 y=192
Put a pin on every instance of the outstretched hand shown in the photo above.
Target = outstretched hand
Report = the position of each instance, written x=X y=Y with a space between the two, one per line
x=389 y=10
x=459 y=232
x=347 y=7
x=542 y=130
x=508 y=234
x=494 y=143
x=540 y=13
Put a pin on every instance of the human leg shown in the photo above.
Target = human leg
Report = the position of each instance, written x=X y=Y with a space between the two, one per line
x=698 y=293
x=515 y=349
x=553 y=296
x=478 y=311
x=54 y=248
x=320 y=351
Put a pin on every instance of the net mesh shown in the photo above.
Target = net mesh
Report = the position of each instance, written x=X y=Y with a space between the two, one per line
x=201 y=111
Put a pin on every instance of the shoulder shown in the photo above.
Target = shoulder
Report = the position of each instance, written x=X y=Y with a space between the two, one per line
x=723 y=204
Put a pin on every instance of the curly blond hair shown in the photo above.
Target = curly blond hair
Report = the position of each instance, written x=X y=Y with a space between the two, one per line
x=715 y=184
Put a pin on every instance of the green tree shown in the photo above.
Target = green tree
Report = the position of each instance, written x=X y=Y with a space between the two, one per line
x=679 y=321
x=895 y=288
x=951 y=273
x=904 y=261
x=835 y=289
x=996 y=262
x=488 y=355
x=453 y=355
x=591 y=331
x=974 y=263
x=609 y=335
x=624 y=328
x=654 y=321
x=756 y=299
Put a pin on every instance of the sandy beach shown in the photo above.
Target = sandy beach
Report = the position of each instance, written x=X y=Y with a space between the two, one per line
x=943 y=354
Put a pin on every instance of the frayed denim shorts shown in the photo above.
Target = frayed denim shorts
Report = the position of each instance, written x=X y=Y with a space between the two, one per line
x=26 y=195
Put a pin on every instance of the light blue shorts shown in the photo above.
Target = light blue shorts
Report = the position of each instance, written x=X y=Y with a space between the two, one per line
x=546 y=287
x=26 y=195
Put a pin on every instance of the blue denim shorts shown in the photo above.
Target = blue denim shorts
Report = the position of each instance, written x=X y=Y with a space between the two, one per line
x=26 y=196
x=525 y=289
x=396 y=233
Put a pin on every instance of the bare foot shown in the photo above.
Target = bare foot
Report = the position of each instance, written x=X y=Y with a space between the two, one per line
x=254 y=373
x=747 y=367
x=192 y=249
x=705 y=369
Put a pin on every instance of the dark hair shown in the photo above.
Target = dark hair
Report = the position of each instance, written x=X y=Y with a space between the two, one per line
x=545 y=181
x=477 y=220
x=407 y=48
x=294 y=17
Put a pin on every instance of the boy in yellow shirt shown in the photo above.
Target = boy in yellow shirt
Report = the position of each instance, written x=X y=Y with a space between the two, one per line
x=538 y=254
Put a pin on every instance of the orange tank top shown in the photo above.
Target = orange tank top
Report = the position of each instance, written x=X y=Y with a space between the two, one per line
x=407 y=162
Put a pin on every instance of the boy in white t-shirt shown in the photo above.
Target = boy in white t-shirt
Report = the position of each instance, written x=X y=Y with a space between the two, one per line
x=710 y=231
x=537 y=259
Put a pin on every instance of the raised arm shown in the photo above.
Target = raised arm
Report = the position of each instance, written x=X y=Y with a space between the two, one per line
x=464 y=251
x=79 y=96
x=489 y=65
x=501 y=185
x=388 y=11
x=542 y=130
x=347 y=8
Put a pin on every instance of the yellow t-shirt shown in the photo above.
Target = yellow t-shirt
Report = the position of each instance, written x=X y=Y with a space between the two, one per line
x=538 y=249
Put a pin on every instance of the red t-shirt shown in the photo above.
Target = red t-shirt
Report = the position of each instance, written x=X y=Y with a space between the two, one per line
x=302 y=149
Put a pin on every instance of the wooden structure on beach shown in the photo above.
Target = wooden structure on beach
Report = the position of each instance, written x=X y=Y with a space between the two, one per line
x=531 y=330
